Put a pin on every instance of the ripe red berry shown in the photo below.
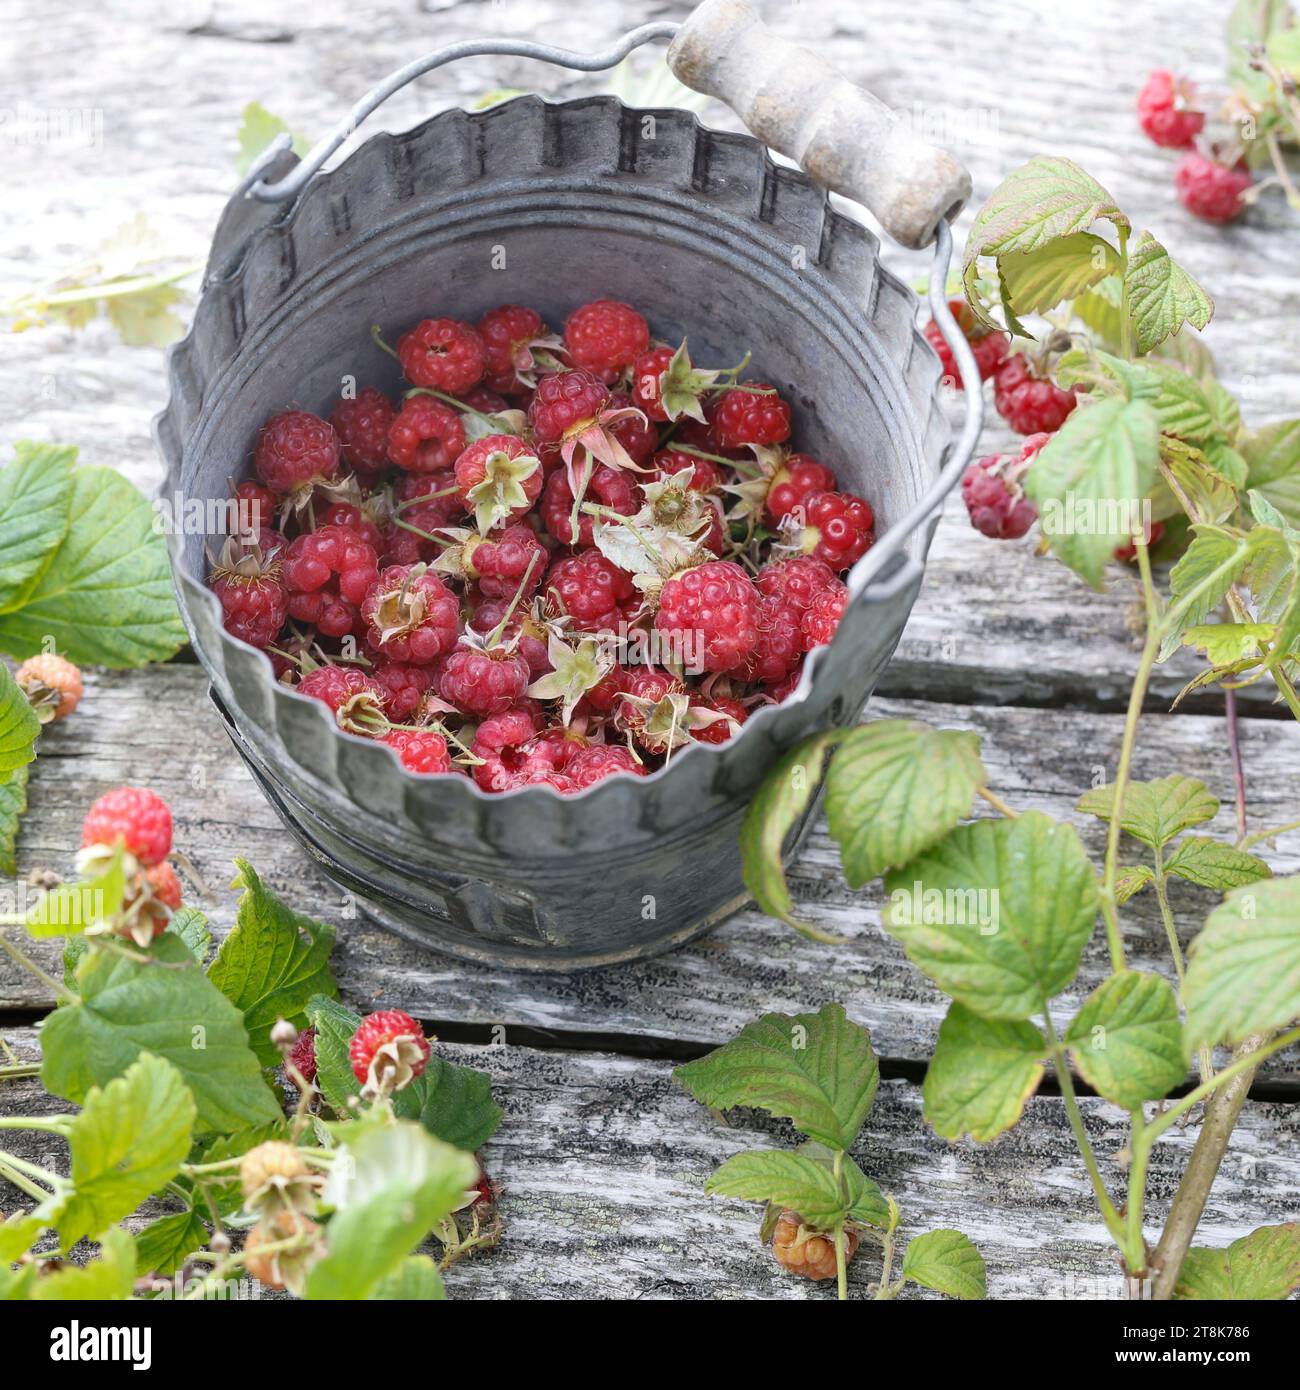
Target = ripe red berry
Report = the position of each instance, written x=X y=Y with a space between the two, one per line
x=797 y=580
x=338 y=687
x=721 y=729
x=521 y=627
x=1210 y=190
x=779 y=646
x=839 y=528
x=1167 y=110
x=823 y=614
x=141 y=819
x=52 y=684
x=614 y=488
x=605 y=336
x=646 y=687
x=991 y=488
x=752 y=413
x=647 y=382
x=303 y=1055
x=565 y=404
x=507 y=562
x=164 y=884
x=404 y=686
x=413 y=616
x=482 y=681
x=508 y=334
x=362 y=427
x=638 y=436
x=793 y=483
x=989 y=349
x=334 y=553
x=295 y=451
x=590 y=589
x=500 y=477
x=443 y=354
x=713 y=612
x=255 y=507
x=1127 y=552
x=1030 y=404
x=420 y=750
x=389 y=1039
x=601 y=760
x=425 y=436
x=248 y=581
x=355 y=519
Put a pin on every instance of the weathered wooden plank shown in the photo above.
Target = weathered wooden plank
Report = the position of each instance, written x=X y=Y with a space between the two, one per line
x=603 y=1161
x=703 y=993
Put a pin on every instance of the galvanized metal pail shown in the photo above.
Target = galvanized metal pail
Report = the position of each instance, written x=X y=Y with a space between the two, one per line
x=551 y=205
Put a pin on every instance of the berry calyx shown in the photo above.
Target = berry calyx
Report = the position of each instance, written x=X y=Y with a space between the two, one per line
x=356 y=701
x=137 y=817
x=52 y=685
x=500 y=477
x=412 y=615
x=518 y=346
x=273 y=1177
x=388 y=1051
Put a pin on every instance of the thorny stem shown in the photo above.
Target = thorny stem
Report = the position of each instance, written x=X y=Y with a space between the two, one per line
x=997 y=803
x=1234 y=749
x=1204 y=1062
x=841 y=1264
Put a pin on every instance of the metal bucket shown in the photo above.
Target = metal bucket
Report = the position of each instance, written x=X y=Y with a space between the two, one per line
x=551 y=205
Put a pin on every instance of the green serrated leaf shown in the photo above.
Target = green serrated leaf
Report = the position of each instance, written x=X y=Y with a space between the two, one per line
x=1243 y=973
x=128 y=1007
x=1126 y=1040
x=13 y=802
x=74 y=908
x=257 y=129
x=1090 y=479
x=816 y=1070
x=896 y=787
x=947 y=1262
x=1062 y=269
x=272 y=963
x=415 y=1280
x=1154 y=812
x=1272 y=574
x=192 y=927
x=1183 y=405
x=866 y=1203
x=105 y=598
x=1261 y=1267
x=1272 y=457
x=1101 y=309
x=1162 y=295
x=164 y=1245
x=997 y=914
x=1130 y=881
x=1200 y=580
x=1224 y=643
x=1214 y=865
x=791 y=1179
x=109 y=1277
x=982 y=1073
x=19 y=726
x=18 y=1233
x=35 y=490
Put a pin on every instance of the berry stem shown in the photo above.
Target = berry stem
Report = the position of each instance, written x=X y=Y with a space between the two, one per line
x=11 y=1174
x=60 y=992
x=1125 y=314
x=377 y=334
x=841 y=1264
x=997 y=803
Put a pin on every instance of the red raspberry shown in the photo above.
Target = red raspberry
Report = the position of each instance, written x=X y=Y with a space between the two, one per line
x=565 y=404
x=752 y=413
x=590 y=589
x=499 y=477
x=356 y=520
x=708 y=475
x=990 y=348
x=485 y=402
x=482 y=681
x=338 y=553
x=52 y=684
x=798 y=580
x=428 y=501
x=249 y=584
x=779 y=647
x=721 y=729
x=508 y=334
x=638 y=437
x=1030 y=404
x=839 y=528
x=614 y=488
x=645 y=683
x=717 y=604
x=1127 y=552
x=404 y=687
x=303 y=1056
x=599 y=761
x=502 y=744
x=164 y=884
x=1211 y=190
x=141 y=819
x=991 y=488
x=328 y=612
x=705 y=436
x=383 y=1030
x=425 y=436
x=793 y=483
x=296 y=450
x=420 y=750
x=647 y=382
x=362 y=427
x=255 y=507
x=602 y=697
x=413 y=616
x=1167 y=110
x=605 y=336
x=782 y=690
x=531 y=636
x=443 y=354
x=501 y=562
x=336 y=686
x=823 y=615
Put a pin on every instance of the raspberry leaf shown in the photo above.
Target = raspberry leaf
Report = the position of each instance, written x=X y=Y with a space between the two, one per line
x=1183 y=405
x=947 y=1262
x=1212 y=864
x=1154 y=812
x=998 y=913
x=192 y=927
x=982 y=1073
x=1132 y=881
x=1272 y=574
x=35 y=490
x=258 y=127
x=128 y=1007
x=1126 y=1040
x=895 y=788
x=129 y=1140
x=1243 y=974
x=799 y=1182
x=1039 y=280
x=1224 y=643
x=105 y=597
x=74 y=908
x=1162 y=295
x=1273 y=459
x=415 y=1280
x=786 y=794
x=19 y=726
x=13 y=802
x=1262 y=1267
x=390 y=1186
x=164 y=1245
x=109 y=1277
x=1101 y=310
x=272 y=963
x=1198 y=583
x=18 y=1233
x=1089 y=481
x=816 y=1070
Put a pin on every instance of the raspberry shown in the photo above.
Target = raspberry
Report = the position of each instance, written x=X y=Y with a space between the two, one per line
x=1211 y=190
x=248 y=581
x=390 y=1044
x=1029 y=404
x=425 y=436
x=991 y=489
x=342 y=688
x=141 y=819
x=716 y=603
x=427 y=501
x=295 y=451
x=420 y=750
x=779 y=646
x=512 y=562
x=798 y=580
x=707 y=477
x=608 y=487
x=599 y=761
x=164 y=884
x=823 y=615
x=605 y=336
x=565 y=404
x=362 y=427
x=782 y=690
x=839 y=528
x=808 y=1253
x=990 y=349
x=508 y=335
x=328 y=612
x=255 y=507
x=413 y=615
x=484 y=402
x=590 y=589
x=334 y=553
x=721 y=729
x=1167 y=110
x=52 y=684
x=521 y=627
x=648 y=382
x=443 y=354
x=793 y=483
x=273 y=1177
x=604 y=696
x=355 y=519
x=1127 y=552
x=404 y=687
x=648 y=689
x=752 y=413
x=303 y=1056
x=499 y=477
x=483 y=681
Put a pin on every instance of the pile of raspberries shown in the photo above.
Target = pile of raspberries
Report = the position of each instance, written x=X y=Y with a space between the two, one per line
x=557 y=557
